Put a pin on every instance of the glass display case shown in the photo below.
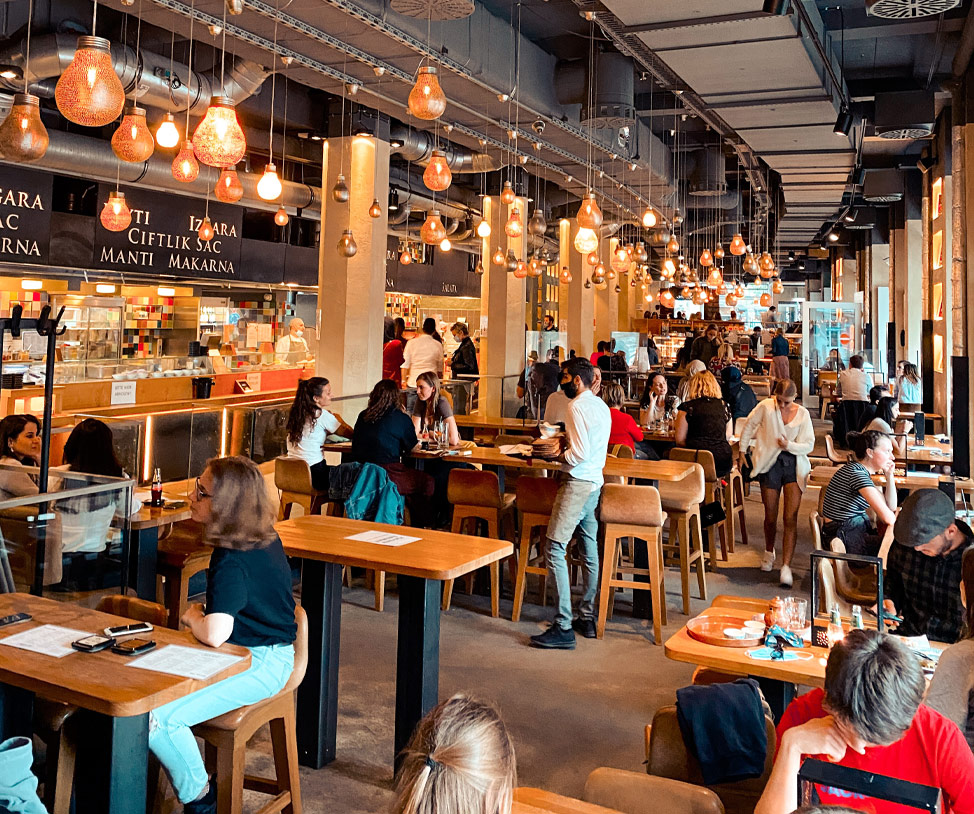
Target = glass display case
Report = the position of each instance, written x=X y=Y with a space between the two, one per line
x=92 y=338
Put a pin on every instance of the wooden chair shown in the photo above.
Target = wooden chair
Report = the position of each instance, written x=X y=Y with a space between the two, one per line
x=180 y=557
x=292 y=477
x=734 y=493
x=668 y=756
x=54 y=722
x=476 y=496
x=634 y=512
x=681 y=501
x=535 y=497
x=226 y=740
x=711 y=484
x=834 y=455
x=635 y=793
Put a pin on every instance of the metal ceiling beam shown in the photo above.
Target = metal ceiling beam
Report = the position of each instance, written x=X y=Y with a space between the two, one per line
x=694 y=22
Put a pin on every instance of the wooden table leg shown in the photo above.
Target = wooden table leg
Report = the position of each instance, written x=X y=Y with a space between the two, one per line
x=141 y=557
x=113 y=767
x=418 y=657
x=321 y=598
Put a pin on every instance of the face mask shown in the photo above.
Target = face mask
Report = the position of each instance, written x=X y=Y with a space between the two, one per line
x=570 y=389
x=298 y=334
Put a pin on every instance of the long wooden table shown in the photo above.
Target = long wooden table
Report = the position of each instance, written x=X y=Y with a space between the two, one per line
x=528 y=800
x=322 y=543
x=113 y=765
x=821 y=475
x=932 y=453
x=140 y=554
x=497 y=425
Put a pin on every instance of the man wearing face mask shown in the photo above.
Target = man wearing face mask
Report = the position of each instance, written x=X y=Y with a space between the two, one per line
x=586 y=441
x=292 y=348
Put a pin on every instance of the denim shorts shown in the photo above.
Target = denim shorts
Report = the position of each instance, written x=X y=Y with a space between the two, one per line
x=782 y=471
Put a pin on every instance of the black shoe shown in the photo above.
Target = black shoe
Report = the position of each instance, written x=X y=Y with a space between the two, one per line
x=206 y=804
x=585 y=627
x=555 y=638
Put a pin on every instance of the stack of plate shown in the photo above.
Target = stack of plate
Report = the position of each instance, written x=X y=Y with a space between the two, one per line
x=546 y=447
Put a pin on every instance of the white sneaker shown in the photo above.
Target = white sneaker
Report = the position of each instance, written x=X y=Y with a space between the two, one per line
x=767 y=561
x=785 y=579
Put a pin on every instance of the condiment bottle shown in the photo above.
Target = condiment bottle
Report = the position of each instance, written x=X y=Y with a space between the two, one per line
x=857 y=617
x=835 y=632
x=156 y=488
x=773 y=615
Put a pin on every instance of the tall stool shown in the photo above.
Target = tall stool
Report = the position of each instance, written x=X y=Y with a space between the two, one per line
x=734 y=506
x=226 y=742
x=681 y=501
x=476 y=495
x=711 y=482
x=292 y=477
x=535 y=497
x=634 y=512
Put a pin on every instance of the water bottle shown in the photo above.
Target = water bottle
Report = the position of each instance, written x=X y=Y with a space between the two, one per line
x=156 y=488
x=857 y=617
x=835 y=632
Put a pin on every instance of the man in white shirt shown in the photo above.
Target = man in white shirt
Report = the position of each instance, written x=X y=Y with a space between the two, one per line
x=854 y=383
x=587 y=424
x=292 y=348
x=423 y=354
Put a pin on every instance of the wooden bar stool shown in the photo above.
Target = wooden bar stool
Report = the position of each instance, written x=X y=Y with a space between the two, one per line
x=681 y=501
x=476 y=495
x=535 y=497
x=226 y=740
x=292 y=477
x=711 y=483
x=634 y=512
x=734 y=506
x=181 y=556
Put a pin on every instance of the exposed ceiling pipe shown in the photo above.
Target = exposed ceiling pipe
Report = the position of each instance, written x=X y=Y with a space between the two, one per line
x=51 y=54
x=401 y=216
x=418 y=146
x=93 y=159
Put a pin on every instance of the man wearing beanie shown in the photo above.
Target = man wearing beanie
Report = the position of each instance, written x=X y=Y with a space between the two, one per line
x=924 y=566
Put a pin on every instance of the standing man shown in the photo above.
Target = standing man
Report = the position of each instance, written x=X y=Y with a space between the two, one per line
x=923 y=571
x=549 y=323
x=292 y=347
x=704 y=347
x=423 y=354
x=587 y=424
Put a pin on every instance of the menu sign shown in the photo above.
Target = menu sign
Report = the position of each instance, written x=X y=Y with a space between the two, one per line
x=163 y=236
x=25 y=215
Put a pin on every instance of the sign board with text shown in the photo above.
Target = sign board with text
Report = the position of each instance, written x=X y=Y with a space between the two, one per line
x=123 y=392
x=25 y=215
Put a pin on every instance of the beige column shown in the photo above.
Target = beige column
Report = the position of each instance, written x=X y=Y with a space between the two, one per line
x=351 y=291
x=502 y=305
x=578 y=302
x=607 y=300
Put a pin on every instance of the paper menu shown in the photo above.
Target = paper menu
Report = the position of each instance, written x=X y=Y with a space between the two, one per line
x=251 y=335
x=189 y=662
x=265 y=332
x=48 y=640
x=383 y=538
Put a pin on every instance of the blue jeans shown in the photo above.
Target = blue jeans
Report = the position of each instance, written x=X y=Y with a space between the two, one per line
x=170 y=737
x=573 y=513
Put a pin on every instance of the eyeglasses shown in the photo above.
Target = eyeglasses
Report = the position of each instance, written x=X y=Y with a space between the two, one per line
x=200 y=491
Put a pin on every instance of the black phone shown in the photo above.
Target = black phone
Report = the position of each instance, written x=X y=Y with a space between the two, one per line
x=128 y=630
x=132 y=647
x=920 y=426
x=14 y=618
x=92 y=644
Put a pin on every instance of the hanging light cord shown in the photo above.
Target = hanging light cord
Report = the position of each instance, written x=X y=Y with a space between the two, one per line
x=172 y=57
x=94 y=17
x=189 y=63
x=273 y=92
x=283 y=128
x=30 y=18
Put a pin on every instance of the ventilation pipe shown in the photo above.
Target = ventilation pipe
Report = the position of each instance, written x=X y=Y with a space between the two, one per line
x=93 y=159
x=401 y=216
x=707 y=173
x=418 y=145
x=607 y=96
x=51 y=54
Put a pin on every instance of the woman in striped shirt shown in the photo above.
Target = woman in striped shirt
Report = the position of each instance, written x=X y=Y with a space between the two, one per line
x=851 y=493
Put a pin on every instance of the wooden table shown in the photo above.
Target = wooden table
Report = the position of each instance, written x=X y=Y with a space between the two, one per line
x=321 y=542
x=496 y=425
x=113 y=763
x=820 y=476
x=777 y=678
x=932 y=453
x=140 y=548
x=538 y=801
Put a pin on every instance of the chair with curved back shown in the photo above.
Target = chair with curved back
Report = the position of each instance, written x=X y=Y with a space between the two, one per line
x=711 y=484
x=681 y=501
x=833 y=454
x=535 y=498
x=292 y=477
x=634 y=793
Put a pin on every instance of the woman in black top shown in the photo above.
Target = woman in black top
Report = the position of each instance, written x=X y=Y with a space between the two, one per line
x=248 y=603
x=704 y=422
x=738 y=394
x=383 y=434
x=464 y=362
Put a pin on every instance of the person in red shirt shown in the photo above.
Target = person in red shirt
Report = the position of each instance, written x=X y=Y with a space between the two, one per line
x=599 y=352
x=624 y=429
x=393 y=353
x=870 y=717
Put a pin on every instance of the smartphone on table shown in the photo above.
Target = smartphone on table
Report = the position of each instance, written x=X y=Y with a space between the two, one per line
x=93 y=644
x=128 y=630
x=132 y=647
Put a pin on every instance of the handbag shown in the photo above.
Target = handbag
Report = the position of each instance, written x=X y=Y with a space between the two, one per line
x=748 y=467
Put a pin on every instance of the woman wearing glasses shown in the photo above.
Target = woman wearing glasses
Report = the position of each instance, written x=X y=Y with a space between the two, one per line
x=248 y=603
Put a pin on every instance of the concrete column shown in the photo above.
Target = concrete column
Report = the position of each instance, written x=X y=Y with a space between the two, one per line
x=577 y=302
x=906 y=274
x=351 y=291
x=502 y=306
x=607 y=300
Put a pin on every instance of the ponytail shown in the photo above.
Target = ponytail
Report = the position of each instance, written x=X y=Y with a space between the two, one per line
x=861 y=442
x=304 y=410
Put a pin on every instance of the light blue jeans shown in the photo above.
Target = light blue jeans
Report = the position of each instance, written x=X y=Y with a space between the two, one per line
x=170 y=737
x=573 y=513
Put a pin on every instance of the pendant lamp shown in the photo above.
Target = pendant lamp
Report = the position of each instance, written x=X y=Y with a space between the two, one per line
x=520 y=270
x=586 y=241
x=648 y=296
x=673 y=245
x=499 y=258
x=132 y=141
x=668 y=269
x=649 y=218
x=737 y=245
x=537 y=225
x=620 y=260
x=346 y=244
x=611 y=273
x=700 y=296
x=565 y=276
x=719 y=252
x=666 y=298
x=269 y=187
x=375 y=211
x=89 y=92
x=115 y=214
x=219 y=140
x=23 y=136
x=640 y=255
x=405 y=258
x=589 y=215
x=205 y=232
x=479 y=269
x=721 y=288
x=446 y=245
x=592 y=259
x=432 y=231
x=184 y=166
x=765 y=300
x=514 y=226
x=738 y=291
x=483 y=229
x=507 y=194
x=686 y=293
x=715 y=277
x=167 y=135
x=281 y=216
x=534 y=268
x=339 y=192
x=777 y=286
x=228 y=187
x=706 y=258
x=510 y=262
x=731 y=300
x=751 y=265
x=588 y=284
x=766 y=262
x=437 y=175
x=426 y=99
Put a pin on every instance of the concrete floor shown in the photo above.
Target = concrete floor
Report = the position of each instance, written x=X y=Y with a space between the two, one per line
x=569 y=712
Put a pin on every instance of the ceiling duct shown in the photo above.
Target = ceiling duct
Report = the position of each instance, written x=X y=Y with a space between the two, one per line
x=434 y=9
x=417 y=145
x=904 y=114
x=883 y=186
x=707 y=176
x=908 y=9
x=861 y=218
x=610 y=90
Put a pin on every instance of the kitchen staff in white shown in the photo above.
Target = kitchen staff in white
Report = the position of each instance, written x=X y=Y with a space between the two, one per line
x=293 y=347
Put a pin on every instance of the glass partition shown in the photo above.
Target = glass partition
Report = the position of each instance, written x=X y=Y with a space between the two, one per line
x=830 y=335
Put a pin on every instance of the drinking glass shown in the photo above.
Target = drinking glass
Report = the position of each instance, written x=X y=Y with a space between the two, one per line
x=794 y=611
x=442 y=437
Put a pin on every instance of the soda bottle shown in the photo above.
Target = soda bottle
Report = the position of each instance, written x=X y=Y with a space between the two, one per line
x=156 y=487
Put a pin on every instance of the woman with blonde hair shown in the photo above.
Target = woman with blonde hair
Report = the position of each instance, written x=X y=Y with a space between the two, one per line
x=909 y=392
x=723 y=358
x=704 y=422
x=460 y=760
x=248 y=603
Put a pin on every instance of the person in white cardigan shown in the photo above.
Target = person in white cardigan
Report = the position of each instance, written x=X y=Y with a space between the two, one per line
x=782 y=436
